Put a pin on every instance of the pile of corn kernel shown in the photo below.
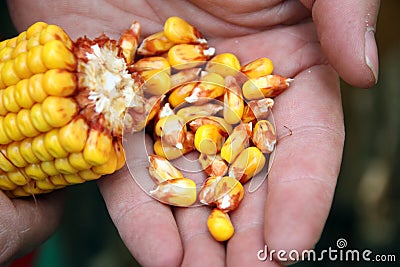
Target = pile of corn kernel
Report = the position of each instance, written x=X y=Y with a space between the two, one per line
x=211 y=104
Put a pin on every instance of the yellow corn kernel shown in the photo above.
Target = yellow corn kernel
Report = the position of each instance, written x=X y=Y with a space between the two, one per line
x=161 y=169
x=257 y=109
x=220 y=225
x=236 y=142
x=108 y=167
x=226 y=64
x=89 y=175
x=53 y=144
x=59 y=82
x=17 y=177
x=73 y=178
x=11 y=127
x=2 y=85
x=3 y=110
x=22 y=95
x=8 y=73
x=58 y=180
x=39 y=148
x=34 y=41
x=205 y=91
x=171 y=130
x=14 y=155
x=36 y=90
x=54 y=32
x=177 y=192
x=20 y=48
x=152 y=63
x=38 y=119
x=35 y=28
x=21 y=37
x=9 y=101
x=156 y=82
x=179 y=31
x=248 y=163
x=25 y=147
x=63 y=166
x=171 y=152
x=73 y=135
x=228 y=193
x=260 y=67
x=97 y=148
x=34 y=171
x=18 y=192
x=25 y=124
x=213 y=165
x=264 y=136
x=217 y=121
x=78 y=162
x=180 y=92
x=4 y=139
x=5 y=183
x=46 y=184
x=35 y=60
x=192 y=112
x=6 y=54
x=186 y=56
x=212 y=77
x=32 y=189
x=57 y=56
x=21 y=66
x=206 y=194
x=49 y=168
x=12 y=42
x=5 y=164
x=208 y=139
x=155 y=44
x=233 y=101
x=265 y=86
x=185 y=76
x=120 y=154
x=128 y=42
x=58 y=111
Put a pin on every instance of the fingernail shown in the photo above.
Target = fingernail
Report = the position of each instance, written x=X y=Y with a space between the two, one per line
x=371 y=53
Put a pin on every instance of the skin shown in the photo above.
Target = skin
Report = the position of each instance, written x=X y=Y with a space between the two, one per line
x=290 y=209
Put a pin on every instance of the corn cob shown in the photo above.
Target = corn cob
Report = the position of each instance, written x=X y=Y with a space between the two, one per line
x=62 y=107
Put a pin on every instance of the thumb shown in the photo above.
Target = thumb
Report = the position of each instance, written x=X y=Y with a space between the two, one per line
x=346 y=29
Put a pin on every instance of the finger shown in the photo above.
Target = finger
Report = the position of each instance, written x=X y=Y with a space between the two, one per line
x=199 y=246
x=26 y=223
x=303 y=175
x=146 y=226
x=243 y=248
x=346 y=29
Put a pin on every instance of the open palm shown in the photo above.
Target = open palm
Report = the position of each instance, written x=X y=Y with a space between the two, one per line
x=289 y=210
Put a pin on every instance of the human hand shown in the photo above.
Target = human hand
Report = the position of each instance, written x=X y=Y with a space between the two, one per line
x=26 y=223
x=289 y=210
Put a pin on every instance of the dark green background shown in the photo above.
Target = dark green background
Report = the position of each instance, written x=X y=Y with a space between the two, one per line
x=366 y=206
